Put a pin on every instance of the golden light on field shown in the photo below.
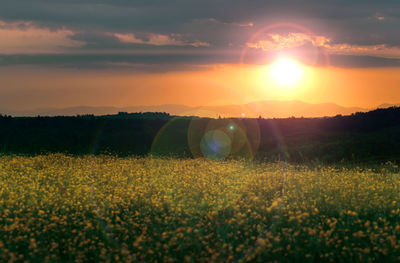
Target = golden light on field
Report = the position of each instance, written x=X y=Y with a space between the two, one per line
x=286 y=72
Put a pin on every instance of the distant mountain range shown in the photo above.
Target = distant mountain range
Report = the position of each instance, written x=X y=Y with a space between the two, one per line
x=266 y=109
x=388 y=105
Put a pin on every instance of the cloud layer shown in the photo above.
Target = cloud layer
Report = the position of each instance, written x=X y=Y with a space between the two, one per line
x=197 y=32
x=23 y=37
x=277 y=42
x=157 y=40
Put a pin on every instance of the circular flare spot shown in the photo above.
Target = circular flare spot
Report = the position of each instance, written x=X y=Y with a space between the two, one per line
x=215 y=145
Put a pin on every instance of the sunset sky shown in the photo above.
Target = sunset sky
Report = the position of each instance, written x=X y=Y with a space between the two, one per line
x=145 y=52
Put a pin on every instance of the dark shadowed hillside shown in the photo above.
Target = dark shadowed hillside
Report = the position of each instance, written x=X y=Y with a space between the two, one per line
x=371 y=136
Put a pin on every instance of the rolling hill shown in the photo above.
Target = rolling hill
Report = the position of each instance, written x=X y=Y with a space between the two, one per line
x=266 y=109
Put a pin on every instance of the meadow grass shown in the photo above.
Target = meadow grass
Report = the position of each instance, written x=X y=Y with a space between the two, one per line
x=62 y=208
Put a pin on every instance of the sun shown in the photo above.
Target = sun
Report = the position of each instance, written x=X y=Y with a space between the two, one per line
x=286 y=72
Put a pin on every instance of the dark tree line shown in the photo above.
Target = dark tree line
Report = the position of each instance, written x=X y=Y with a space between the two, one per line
x=372 y=136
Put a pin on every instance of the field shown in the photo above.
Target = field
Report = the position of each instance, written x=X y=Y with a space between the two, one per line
x=63 y=208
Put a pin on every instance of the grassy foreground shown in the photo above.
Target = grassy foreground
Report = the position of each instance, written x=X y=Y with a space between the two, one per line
x=61 y=208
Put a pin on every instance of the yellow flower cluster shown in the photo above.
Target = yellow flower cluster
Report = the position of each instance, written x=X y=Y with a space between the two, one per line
x=57 y=208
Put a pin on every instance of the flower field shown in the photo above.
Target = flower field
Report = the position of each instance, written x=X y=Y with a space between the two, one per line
x=61 y=208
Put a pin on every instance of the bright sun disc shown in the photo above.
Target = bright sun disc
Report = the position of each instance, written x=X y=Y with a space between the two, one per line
x=286 y=72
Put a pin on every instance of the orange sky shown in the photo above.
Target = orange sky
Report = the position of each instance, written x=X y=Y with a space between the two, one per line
x=212 y=85
x=130 y=53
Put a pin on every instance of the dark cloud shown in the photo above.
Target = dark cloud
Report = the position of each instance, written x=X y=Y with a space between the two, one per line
x=225 y=25
x=177 y=62
x=362 y=61
x=108 y=61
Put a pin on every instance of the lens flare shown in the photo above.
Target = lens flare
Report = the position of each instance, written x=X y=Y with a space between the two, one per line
x=215 y=145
